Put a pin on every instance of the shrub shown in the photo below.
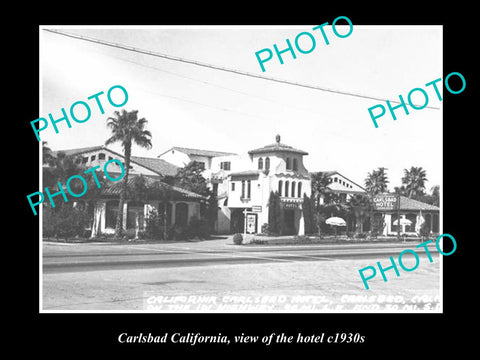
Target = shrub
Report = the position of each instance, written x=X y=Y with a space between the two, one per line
x=154 y=225
x=177 y=232
x=64 y=222
x=199 y=228
x=237 y=239
x=265 y=229
x=361 y=236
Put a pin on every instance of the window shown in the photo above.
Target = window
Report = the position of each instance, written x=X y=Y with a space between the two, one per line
x=335 y=179
x=260 y=164
x=101 y=156
x=289 y=166
x=84 y=160
x=293 y=188
x=299 y=189
x=93 y=157
x=249 y=188
x=286 y=188
x=225 y=165
x=233 y=186
x=243 y=189
x=295 y=164
x=267 y=163
x=280 y=183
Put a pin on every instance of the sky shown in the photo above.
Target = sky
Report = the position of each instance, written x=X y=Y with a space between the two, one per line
x=197 y=107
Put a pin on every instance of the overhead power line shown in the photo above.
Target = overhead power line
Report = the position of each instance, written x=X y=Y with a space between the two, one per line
x=216 y=67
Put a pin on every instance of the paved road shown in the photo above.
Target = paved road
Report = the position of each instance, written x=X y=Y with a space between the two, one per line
x=89 y=257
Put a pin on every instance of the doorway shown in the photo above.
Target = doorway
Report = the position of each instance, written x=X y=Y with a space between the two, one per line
x=289 y=222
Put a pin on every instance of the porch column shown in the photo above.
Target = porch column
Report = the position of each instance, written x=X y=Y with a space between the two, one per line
x=125 y=213
x=98 y=225
x=174 y=205
x=301 y=224
x=388 y=224
x=147 y=208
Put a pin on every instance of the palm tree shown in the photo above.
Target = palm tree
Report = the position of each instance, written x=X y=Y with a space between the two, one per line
x=127 y=129
x=320 y=181
x=376 y=181
x=414 y=181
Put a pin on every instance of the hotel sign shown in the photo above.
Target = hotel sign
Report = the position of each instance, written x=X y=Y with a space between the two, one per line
x=385 y=202
x=290 y=205
x=251 y=223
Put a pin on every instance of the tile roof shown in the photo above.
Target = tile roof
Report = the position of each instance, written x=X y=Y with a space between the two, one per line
x=245 y=173
x=78 y=151
x=277 y=147
x=330 y=173
x=114 y=188
x=157 y=165
x=411 y=204
x=199 y=152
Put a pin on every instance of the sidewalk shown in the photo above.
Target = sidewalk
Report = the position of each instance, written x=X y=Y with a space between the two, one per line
x=220 y=244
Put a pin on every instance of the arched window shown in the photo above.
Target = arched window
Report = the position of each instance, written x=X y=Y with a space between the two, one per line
x=299 y=189
x=293 y=188
x=260 y=164
x=286 y=188
x=267 y=163
x=280 y=183
x=289 y=166
x=295 y=164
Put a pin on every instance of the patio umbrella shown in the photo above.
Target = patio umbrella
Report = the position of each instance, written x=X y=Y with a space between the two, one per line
x=402 y=222
x=335 y=221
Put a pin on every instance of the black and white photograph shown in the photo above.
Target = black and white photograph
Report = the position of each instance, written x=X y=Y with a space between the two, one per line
x=217 y=182
x=242 y=169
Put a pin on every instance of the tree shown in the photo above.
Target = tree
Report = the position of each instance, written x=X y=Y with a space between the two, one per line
x=320 y=182
x=308 y=216
x=190 y=177
x=400 y=190
x=47 y=155
x=376 y=181
x=433 y=198
x=60 y=168
x=414 y=182
x=66 y=219
x=360 y=206
x=435 y=195
x=127 y=129
x=275 y=223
